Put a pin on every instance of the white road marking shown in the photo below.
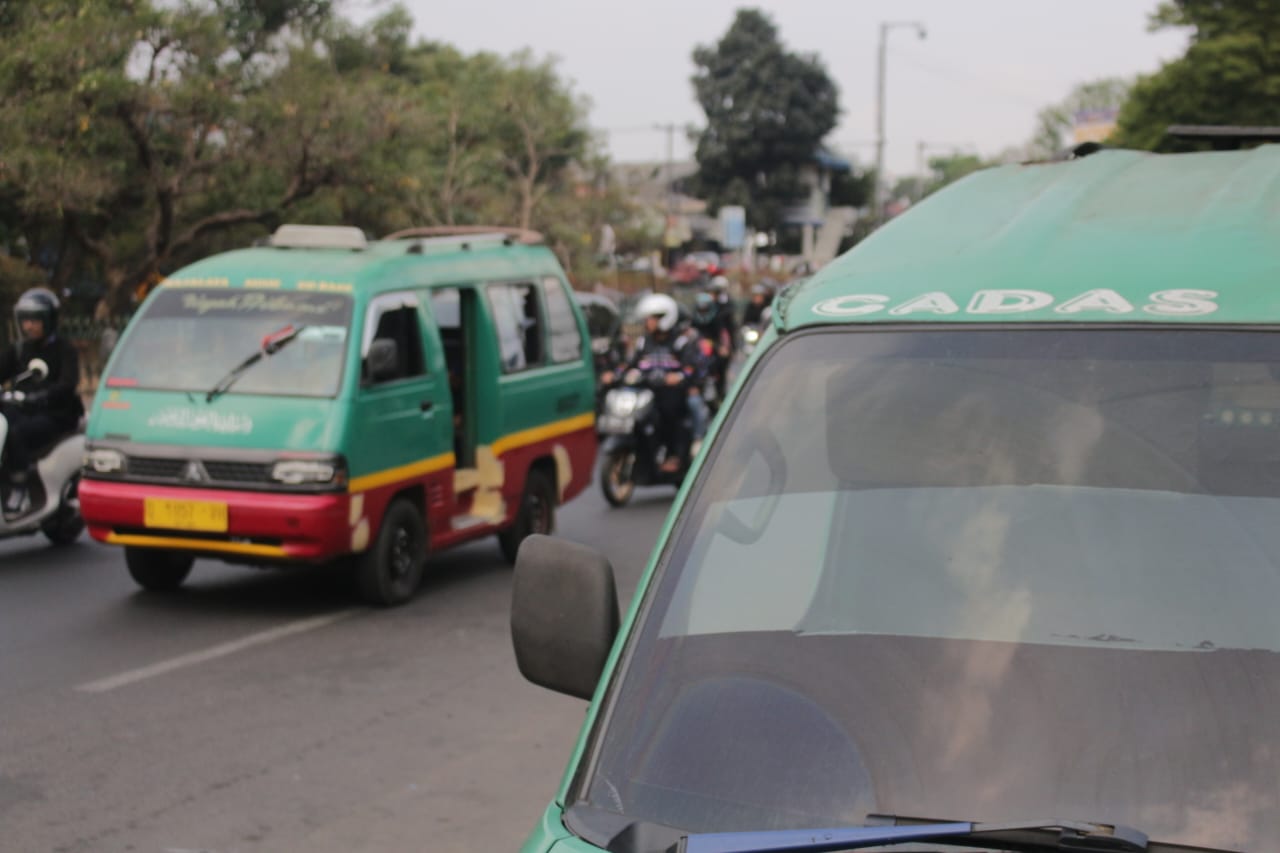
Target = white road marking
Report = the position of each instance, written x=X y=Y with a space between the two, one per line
x=102 y=685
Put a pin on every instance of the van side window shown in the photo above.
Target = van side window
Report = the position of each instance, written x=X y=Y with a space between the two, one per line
x=563 y=335
x=518 y=316
x=399 y=322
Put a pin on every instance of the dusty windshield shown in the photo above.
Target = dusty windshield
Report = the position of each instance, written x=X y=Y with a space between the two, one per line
x=974 y=574
x=189 y=339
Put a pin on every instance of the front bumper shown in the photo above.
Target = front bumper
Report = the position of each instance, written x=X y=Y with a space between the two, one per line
x=260 y=525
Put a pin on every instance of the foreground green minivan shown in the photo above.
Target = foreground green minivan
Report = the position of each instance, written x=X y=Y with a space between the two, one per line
x=324 y=397
x=984 y=550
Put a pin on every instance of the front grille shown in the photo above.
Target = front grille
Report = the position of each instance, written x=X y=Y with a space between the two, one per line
x=156 y=469
x=238 y=472
x=215 y=472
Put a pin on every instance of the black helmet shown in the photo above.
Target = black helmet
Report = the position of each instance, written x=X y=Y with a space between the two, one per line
x=37 y=303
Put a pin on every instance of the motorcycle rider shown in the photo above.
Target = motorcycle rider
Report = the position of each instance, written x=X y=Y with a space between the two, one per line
x=46 y=406
x=713 y=318
x=753 y=314
x=666 y=347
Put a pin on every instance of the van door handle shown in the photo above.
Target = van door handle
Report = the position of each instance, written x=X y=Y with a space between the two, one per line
x=426 y=405
x=567 y=403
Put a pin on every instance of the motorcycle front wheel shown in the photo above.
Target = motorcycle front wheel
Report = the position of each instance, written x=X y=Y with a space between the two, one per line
x=616 y=477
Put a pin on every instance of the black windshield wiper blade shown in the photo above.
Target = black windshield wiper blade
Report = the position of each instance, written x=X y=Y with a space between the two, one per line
x=271 y=344
x=1053 y=836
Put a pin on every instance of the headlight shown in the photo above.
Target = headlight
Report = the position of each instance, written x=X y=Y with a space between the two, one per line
x=621 y=402
x=296 y=472
x=104 y=461
x=751 y=336
x=643 y=398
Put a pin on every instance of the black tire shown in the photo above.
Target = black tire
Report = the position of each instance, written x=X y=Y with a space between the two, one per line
x=617 y=488
x=65 y=526
x=156 y=569
x=537 y=514
x=390 y=572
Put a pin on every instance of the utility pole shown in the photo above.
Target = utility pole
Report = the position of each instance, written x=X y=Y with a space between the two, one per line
x=885 y=27
x=670 y=130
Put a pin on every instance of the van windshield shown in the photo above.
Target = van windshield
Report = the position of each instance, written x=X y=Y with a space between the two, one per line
x=974 y=573
x=187 y=340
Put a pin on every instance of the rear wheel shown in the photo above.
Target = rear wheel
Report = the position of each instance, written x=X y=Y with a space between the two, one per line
x=616 y=477
x=156 y=569
x=390 y=572
x=537 y=514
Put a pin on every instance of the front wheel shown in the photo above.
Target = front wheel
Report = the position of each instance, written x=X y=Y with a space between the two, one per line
x=617 y=477
x=66 y=524
x=390 y=572
x=537 y=514
x=156 y=569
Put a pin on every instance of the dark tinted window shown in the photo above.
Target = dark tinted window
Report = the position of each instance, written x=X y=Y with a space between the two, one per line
x=978 y=573
x=401 y=325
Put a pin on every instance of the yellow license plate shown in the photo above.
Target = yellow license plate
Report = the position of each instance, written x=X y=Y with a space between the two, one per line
x=206 y=516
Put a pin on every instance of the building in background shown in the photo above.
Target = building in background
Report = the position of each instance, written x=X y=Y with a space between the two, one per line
x=1094 y=125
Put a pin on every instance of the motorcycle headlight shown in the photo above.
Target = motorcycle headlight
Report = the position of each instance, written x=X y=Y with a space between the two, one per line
x=105 y=461
x=622 y=402
x=298 y=472
x=644 y=397
x=751 y=336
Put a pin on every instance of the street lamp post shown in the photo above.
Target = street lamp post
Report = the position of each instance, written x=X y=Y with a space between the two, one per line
x=885 y=26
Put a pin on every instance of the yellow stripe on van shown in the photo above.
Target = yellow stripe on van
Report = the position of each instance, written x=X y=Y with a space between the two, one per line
x=543 y=433
x=244 y=548
x=401 y=472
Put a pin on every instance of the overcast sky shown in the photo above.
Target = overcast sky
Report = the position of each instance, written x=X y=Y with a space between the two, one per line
x=974 y=83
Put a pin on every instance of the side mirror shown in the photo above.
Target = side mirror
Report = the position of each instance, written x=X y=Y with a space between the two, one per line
x=383 y=360
x=564 y=614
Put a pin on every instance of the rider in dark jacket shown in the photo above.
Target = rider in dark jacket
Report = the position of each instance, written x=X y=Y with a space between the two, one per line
x=665 y=347
x=47 y=406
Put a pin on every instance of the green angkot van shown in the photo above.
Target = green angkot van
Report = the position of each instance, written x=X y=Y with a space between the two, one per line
x=983 y=551
x=324 y=397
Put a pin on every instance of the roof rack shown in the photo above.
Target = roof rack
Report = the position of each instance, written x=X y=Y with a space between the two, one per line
x=319 y=237
x=508 y=235
x=1224 y=136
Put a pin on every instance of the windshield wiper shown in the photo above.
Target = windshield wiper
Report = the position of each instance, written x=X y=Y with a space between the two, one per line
x=271 y=344
x=1053 y=836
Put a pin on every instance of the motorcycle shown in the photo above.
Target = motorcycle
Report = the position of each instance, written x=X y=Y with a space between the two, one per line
x=53 y=504
x=633 y=450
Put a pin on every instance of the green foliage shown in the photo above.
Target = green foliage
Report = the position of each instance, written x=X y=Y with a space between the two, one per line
x=138 y=135
x=767 y=112
x=1230 y=74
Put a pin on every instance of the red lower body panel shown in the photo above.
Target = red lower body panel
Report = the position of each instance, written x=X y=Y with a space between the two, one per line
x=310 y=528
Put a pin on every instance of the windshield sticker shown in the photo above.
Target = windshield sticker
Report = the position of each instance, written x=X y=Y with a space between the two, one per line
x=1011 y=302
x=278 y=303
x=228 y=423
x=196 y=282
x=326 y=286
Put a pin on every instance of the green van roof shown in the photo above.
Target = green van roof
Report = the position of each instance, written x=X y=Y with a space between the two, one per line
x=1117 y=236
x=346 y=270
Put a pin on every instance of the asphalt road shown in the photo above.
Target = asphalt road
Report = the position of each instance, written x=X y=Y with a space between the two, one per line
x=257 y=711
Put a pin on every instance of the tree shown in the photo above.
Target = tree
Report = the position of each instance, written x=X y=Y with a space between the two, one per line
x=767 y=113
x=1230 y=73
x=133 y=133
x=1054 y=124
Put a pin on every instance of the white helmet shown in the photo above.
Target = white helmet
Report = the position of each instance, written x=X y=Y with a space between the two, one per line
x=661 y=306
x=720 y=283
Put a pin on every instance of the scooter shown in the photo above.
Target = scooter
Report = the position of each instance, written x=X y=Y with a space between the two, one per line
x=53 y=504
x=633 y=451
